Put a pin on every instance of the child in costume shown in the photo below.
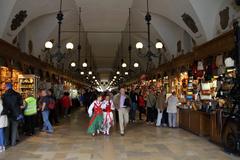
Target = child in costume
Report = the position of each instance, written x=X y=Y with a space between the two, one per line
x=96 y=114
x=108 y=121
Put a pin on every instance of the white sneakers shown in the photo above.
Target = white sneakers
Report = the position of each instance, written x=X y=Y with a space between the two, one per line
x=2 y=149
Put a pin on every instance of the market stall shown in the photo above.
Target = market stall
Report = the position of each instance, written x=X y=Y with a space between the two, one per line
x=8 y=75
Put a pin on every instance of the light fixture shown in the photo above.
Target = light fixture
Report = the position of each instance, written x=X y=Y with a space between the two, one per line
x=48 y=45
x=84 y=65
x=93 y=77
x=159 y=45
x=118 y=72
x=90 y=72
x=59 y=55
x=69 y=46
x=79 y=41
x=73 y=64
x=139 y=45
x=95 y=80
x=115 y=77
x=136 y=65
x=149 y=54
x=126 y=73
x=124 y=65
x=86 y=77
x=82 y=73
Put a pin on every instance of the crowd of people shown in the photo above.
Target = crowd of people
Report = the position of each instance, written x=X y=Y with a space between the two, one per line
x=104 y=109
x=157 y=109
x=23 y=115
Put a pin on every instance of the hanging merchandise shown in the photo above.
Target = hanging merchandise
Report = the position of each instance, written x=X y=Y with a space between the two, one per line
x=205 y=91
x=221 y=70
x=220 y=66
x=229 y=62
x=166 y=84
x=184 y=85
x=200 y=66
x=219 y=61
x=206 y=88
x=193 y=70
x=190 y=89
x=209 y=73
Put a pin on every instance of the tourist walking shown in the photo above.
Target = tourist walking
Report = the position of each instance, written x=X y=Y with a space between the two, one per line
x=52 y=106
x=122 y=102
x=66 y=103
x=141 y=105
x=133 y=108
x=96 y=114
x=160 y=105
x=108 y=120
x=172 y=102
x=12 y=104
x=151 y=104
x=44 y=101
x=3 y=125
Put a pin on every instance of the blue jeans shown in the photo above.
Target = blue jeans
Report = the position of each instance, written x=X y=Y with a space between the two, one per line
x=2 y=137
x=46 y=123
x=172 y=119
x=133 y=110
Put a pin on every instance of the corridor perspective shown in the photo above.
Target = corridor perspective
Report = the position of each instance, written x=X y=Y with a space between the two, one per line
x=120 y=80
x=141 y=142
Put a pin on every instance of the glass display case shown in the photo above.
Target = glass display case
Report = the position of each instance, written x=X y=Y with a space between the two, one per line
x=28 y=83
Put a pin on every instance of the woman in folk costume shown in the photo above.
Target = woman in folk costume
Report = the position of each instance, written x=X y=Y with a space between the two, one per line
x=108 y=121
x=96 y=114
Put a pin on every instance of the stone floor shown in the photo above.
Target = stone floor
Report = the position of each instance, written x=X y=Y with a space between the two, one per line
x=141 y=142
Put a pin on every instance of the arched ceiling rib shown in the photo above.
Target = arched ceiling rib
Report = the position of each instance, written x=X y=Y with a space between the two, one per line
x=167 y=25
x=207 y=11
x=6 y=10
x=169 y=10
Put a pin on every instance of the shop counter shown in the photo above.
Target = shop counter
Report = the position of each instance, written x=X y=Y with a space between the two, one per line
x=195 y=121
x=184 y=118
x=215 y=130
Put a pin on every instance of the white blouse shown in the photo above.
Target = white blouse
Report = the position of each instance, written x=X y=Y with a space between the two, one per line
x=105 y=103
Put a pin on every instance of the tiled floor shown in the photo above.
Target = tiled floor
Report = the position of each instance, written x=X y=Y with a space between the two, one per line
x=141 y=142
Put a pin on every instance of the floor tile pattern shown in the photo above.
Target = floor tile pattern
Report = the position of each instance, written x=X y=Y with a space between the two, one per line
x=141 y=142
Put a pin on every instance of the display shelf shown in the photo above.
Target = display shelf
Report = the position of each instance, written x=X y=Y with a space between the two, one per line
x=28 y=83
x=8 y=75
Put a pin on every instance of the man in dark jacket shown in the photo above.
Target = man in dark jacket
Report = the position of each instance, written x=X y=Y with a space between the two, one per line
x=133 y=109
x=12 y=104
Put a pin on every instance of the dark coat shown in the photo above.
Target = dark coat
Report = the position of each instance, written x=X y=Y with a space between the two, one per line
x=11 y=104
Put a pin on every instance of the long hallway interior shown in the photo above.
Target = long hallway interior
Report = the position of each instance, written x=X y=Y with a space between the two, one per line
x=141 y=142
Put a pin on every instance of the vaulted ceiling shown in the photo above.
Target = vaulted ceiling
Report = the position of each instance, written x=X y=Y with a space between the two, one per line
x=183 y=22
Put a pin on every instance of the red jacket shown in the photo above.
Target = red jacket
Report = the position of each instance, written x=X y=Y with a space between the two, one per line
x=66 y=101
x=141 y=101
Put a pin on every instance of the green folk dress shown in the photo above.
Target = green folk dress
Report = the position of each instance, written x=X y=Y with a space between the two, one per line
x=96 y=121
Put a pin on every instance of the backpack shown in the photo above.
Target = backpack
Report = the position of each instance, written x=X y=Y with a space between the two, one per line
x=51 y=103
